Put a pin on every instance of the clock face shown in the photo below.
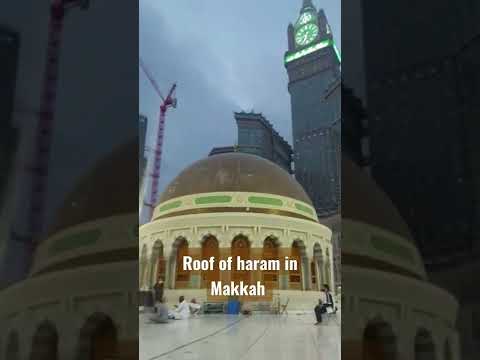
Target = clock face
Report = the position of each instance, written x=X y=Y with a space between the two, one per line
x=306 y=34
x=305 y=18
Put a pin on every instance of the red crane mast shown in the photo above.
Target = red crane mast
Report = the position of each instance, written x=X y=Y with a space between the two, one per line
x=167 y=102
x=28 y=224
x=43 y=135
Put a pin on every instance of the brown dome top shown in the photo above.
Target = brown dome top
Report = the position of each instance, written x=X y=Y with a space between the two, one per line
x=363 y=200
x=235 y=172
x=106 y=190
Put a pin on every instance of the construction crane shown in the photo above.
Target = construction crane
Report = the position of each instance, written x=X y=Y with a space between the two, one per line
x=43 y=136
x=28 y=225
x=169 y=101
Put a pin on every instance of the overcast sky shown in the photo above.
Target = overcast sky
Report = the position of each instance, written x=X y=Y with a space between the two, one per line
x=225 y=56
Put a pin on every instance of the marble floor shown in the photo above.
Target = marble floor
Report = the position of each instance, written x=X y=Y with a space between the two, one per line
x=227 y=337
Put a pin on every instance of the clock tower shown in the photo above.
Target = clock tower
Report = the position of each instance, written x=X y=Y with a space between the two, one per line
x=313 y=65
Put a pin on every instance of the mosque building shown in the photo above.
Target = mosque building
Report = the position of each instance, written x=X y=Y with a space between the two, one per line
x=79 y=300
x=236 y=204
x=390 y=310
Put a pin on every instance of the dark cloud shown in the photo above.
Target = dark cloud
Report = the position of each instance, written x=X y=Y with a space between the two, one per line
x=225 y=56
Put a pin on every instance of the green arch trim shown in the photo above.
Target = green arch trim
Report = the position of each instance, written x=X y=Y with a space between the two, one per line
x=213 y=199
x=170 y=206
x=304 y=208
x=385 y=245
x=264 y=200
x=74 y=241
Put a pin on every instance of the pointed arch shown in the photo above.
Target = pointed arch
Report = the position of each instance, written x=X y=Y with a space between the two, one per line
x=296 y=277
x=270 y=251
x=98 y=338
x=447 y=351
x=424 y=345
x=379 y=341
x=142 y=280
x=182 y=277
x=240 y=248
x=157 y=263
x=210 y=247
x=45 y=342
x=12 y=350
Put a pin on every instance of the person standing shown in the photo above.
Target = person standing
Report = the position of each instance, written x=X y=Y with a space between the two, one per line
x=158 y=293
x=318 y=311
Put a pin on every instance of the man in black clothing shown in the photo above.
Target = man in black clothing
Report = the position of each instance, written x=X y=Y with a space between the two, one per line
x=328 y=299
x=158 y=292
x=319 y=310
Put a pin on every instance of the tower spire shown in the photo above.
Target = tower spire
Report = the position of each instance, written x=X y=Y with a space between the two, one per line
x=307 y=4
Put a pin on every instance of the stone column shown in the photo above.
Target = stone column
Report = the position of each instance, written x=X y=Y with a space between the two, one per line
x=318 y=273
x=166 y=280
x=172 y=271
x=141 y=270
x=146 y=271
x=332 y=274
x=283 y=275
x=306 y=278
x=195 y=281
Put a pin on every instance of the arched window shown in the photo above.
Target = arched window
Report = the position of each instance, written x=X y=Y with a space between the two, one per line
x=157 y=263
x=313 y=272
x=424 y=346
x=448 y=355
x=210 y=247
x=12 y=350
x=270 y=252
x=98 y=339
x=295 y=276
x=379 y=341
x=45 y=342
x=182 y=279
x=241 y=249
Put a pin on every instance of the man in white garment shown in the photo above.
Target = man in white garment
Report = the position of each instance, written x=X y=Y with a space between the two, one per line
x=194 y=307
x=182 y=311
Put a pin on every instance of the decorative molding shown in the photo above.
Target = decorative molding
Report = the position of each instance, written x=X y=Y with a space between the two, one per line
x=236 y=200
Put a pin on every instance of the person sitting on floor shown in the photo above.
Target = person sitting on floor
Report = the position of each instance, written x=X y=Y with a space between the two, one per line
x=246 y=309
x=182 y=310
x=161 y=315
x=194 y=307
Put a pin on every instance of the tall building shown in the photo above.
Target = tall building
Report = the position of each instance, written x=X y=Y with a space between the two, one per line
x=9 y=47
x=257 y=136
x=313 y=65
x=420 y=85
x=142 y=160
x=418 y=92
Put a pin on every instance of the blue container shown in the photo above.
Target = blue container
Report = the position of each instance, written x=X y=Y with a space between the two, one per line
x=233 y=307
